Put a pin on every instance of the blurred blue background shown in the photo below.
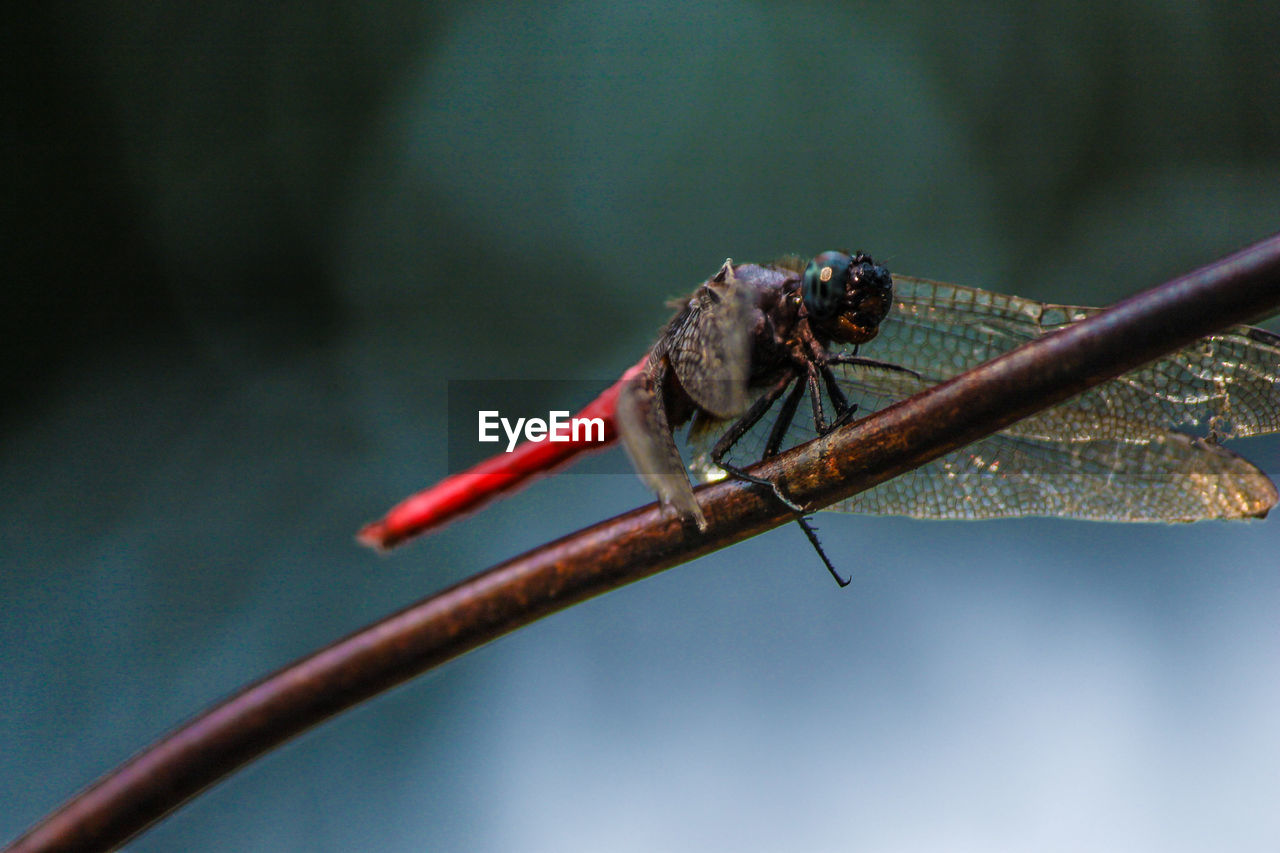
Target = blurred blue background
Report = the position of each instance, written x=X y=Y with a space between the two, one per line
x=247 y=246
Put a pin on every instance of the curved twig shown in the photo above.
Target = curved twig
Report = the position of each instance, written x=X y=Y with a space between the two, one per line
x=633 y=546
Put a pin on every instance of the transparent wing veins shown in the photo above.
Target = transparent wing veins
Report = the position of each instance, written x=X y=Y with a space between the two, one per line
x=1120 y=451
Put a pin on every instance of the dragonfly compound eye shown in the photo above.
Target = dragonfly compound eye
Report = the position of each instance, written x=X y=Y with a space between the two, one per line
x=847 y=297
x=826 y=281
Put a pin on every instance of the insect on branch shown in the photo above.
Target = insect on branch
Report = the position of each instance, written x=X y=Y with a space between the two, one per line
x=645 y=541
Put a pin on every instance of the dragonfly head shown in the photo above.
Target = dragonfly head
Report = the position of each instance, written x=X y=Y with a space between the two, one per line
x=846 y=296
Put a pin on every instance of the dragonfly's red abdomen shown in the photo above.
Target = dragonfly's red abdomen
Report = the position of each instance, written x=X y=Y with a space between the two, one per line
x=468 y=491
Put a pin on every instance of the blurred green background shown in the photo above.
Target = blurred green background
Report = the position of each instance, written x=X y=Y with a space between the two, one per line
x=247 y=246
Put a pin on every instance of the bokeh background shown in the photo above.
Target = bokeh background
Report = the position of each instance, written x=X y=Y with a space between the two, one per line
x=247 y=246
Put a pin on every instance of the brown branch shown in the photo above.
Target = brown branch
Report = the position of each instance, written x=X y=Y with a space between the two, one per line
x=633 y=546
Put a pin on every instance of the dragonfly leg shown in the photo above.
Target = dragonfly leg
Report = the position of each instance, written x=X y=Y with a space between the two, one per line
x=783 y=422
x=741 y=427
x=859 y=361
x=817 y=546
x=844 y=409
x=815 y=397
x=786 y=415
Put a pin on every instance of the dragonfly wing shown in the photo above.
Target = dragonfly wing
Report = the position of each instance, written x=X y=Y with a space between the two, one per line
x=1114 y=452
x=647 y=437
x=1171 y=478
x=1225 y=383
x=708 y=344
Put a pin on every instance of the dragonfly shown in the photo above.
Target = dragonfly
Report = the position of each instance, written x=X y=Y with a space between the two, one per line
x=755 y=340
